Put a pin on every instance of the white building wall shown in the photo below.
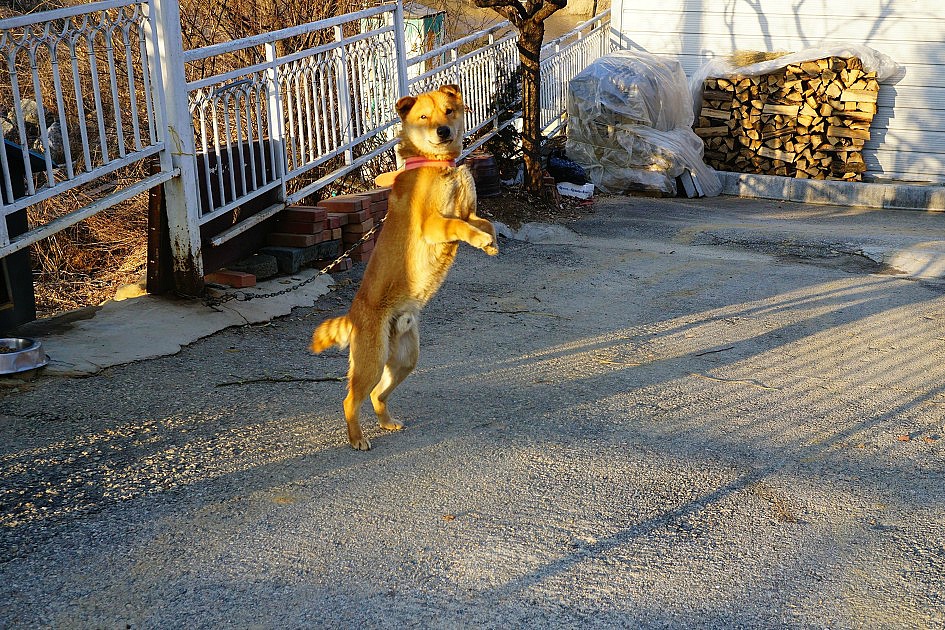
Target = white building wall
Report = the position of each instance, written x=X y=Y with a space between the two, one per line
x=908 y=132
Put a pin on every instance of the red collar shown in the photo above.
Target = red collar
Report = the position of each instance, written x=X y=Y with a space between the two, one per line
x=417 y=162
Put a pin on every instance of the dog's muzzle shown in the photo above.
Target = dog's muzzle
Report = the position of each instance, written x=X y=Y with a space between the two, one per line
x=444 y=132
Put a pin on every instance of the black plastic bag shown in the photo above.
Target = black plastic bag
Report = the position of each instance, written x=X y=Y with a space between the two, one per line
x=563 y=169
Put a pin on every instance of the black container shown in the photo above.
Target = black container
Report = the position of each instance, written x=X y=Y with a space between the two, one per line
x=486 y=173
x=17 y=302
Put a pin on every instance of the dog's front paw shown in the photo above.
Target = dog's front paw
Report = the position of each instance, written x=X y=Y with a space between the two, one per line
x=481 y=240
x=361 y=444
x=491 y=249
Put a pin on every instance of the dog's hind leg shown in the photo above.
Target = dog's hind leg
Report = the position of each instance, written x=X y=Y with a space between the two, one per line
x=366 y=365
x=404 y=349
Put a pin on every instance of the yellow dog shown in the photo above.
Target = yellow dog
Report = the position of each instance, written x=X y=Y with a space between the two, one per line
x=432 y=207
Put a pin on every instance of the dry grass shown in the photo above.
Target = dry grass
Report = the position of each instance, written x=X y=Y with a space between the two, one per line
x=85 y=264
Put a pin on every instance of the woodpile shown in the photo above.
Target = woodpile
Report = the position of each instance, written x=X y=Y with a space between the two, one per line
x=808 y=120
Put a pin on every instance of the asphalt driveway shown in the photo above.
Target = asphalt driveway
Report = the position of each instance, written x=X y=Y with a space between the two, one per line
x=717 y=413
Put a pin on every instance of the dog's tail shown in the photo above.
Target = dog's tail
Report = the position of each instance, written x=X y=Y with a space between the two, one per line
x=332 y=332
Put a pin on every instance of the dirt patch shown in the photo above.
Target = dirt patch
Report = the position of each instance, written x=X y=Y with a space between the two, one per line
x=516 y=207
x=823 y=254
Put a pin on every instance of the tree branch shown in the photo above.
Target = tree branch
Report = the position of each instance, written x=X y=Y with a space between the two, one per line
x=546 y=8
x=509 y=5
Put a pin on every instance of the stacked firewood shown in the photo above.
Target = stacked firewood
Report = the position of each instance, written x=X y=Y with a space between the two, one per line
x=808 y=120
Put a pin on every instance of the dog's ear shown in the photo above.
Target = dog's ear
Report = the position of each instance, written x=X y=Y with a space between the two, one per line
x=452 y=90
x=404 y=105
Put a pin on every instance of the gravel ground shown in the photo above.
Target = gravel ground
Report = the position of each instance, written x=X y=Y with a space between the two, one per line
x=694 y=414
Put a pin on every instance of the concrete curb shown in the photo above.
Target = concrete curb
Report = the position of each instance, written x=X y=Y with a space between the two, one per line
x=866 y=194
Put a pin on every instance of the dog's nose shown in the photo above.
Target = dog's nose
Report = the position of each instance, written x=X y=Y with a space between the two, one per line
x=444 y=132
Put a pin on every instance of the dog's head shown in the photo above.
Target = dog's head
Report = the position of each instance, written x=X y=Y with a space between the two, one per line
x=432 y=123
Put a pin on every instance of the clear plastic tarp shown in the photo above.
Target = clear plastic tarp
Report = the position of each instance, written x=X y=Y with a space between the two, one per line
x=630 y=125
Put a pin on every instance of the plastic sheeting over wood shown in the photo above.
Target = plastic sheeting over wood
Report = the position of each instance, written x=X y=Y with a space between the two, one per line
x=630 y=125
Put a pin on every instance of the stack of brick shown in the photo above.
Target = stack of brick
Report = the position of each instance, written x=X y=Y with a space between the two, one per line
x=302 y=236
x=317 y=235
x=333 y=224
x=357 y=215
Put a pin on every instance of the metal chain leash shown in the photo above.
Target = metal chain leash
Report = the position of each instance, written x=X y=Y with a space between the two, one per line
x=242 y=296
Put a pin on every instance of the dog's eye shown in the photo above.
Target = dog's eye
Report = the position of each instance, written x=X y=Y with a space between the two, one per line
x=448 y=111
x=423 y=117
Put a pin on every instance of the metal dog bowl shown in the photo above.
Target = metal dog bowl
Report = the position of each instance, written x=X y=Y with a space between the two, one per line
x=19 y=355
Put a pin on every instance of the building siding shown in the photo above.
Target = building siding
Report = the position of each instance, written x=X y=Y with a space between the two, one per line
x=908 y=142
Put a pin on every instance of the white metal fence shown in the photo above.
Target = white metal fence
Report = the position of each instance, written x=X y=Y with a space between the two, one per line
x=113 y=87
x=562 y=59
x=78 y=87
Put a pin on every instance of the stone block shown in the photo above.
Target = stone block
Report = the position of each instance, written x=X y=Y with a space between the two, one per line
x=289 y=259
x=281 y=239
x=260 y=265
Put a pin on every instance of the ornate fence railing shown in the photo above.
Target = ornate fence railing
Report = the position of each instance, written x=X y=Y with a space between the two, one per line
x=80 y=101
x=99 y=89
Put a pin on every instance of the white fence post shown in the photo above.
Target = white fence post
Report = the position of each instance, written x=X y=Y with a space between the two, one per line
x=181 y=192
x=276 y=120
x=400 y=50
x=400 y=64
x=344 y=95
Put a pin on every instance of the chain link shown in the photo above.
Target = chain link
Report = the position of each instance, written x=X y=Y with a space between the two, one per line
x=242 y=296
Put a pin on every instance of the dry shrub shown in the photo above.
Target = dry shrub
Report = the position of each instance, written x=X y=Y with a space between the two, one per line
x=84 y=264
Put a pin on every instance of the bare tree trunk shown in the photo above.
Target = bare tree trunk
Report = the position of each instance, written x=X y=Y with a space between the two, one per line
x=528 y=16
x=529 y=46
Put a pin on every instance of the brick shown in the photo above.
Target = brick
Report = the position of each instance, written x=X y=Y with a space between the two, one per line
x=366 y=246
x=377 y=194
x=359 y=228
x=358 y=217
x=362 y=257
x=345 y=203
x=291 y=240
x=307 y=214
x=235 y=279
x=340 y=217
x=335 y=233
x=300 y=227
x=379 y=206
x=350 y=238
